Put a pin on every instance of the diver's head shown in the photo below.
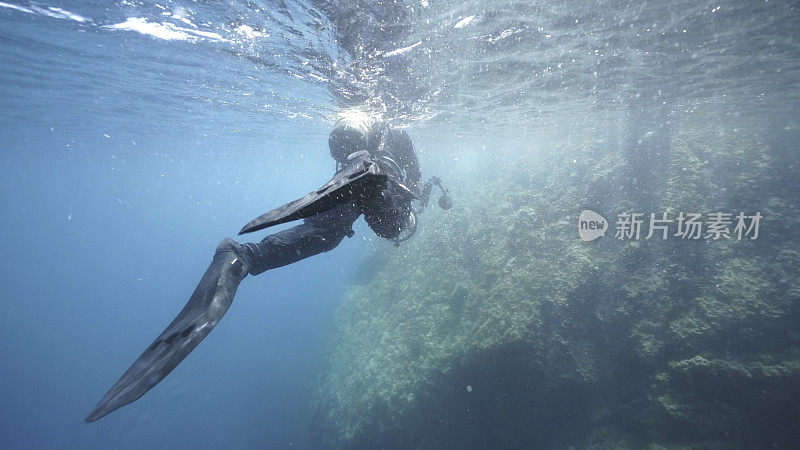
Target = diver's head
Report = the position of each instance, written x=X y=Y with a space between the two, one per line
x=350 y=134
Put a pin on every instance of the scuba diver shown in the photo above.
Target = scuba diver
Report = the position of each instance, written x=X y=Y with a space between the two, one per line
x=377 y=175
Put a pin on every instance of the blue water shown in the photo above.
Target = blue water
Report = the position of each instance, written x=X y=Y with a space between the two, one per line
x=135 y=135
x=126 y=158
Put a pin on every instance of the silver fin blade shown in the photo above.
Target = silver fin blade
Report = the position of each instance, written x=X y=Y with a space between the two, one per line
x=207 y=305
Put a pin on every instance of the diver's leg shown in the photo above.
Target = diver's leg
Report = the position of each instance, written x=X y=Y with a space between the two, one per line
x=209 y=302
x=318 y=234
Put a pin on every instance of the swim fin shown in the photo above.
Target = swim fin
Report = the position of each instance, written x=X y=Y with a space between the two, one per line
x=361 y=177
x=209 y=302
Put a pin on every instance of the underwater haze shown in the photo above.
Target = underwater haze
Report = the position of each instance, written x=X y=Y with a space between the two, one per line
x=135 y=135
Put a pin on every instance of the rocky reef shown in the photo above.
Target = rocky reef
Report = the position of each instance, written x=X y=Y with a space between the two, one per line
x=497 y=327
